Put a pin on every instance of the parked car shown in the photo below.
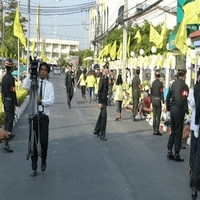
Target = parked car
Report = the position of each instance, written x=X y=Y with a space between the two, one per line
x=57 y=71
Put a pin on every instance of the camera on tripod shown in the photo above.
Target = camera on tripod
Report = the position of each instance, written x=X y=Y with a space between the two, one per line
x=34 y=66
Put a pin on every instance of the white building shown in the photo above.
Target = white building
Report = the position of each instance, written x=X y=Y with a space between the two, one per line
x=55 y=48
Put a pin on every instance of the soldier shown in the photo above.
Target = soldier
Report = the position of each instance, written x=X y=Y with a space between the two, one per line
x=156 y=98
x=136 y=91
x=177 y=105
x=69 y=83
x=9 y=100
x=100 y=128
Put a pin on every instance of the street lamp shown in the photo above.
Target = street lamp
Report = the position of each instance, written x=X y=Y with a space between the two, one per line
x=132 y=54
x=141 y=52
x=188 y=42
x=153 y=49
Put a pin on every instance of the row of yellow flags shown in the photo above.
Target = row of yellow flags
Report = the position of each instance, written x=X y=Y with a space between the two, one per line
x=154 y=37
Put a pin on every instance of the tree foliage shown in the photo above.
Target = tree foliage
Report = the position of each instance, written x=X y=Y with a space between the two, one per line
x=10 y=47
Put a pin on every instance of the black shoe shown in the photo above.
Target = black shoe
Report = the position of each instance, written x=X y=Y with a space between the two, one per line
x=69 y=105
x=34 y=173
x=104 y=139
x=154 y=132
x=158 y=133
x=7 y=149
x=177 y=158
x=170 y=155
x=43 y=166
x=96 y=133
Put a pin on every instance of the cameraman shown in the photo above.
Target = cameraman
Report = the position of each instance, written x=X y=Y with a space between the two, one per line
x=9 y=100
x=45 y=99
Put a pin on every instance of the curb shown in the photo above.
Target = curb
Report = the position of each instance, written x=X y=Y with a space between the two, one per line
x=20 y=110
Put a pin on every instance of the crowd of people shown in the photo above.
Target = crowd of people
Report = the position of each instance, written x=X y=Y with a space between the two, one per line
x=107 y=88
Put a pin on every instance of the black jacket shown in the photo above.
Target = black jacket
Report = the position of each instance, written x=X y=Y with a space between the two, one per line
x=197 y=102
x=157 y=91
x=103 y=89
x=177 y=96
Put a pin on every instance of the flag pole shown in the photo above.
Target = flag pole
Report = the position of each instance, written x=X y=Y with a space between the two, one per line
x=28 y=54
x=18 y=58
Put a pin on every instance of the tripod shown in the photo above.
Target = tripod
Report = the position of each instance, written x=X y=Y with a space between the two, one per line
x=34 y=139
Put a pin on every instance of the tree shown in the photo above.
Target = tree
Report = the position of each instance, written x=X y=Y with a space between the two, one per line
x=10 y=41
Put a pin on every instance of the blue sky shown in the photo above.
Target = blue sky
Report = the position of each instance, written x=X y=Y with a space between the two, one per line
x=66 y=26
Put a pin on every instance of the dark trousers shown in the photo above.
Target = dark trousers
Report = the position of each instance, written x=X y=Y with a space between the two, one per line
x=102 y=121
x=119 y=106
x=193 y=150
x=195 y=178
x=70 y=94
x=135 y=104
x=83 y=89
x=9 y=117
x=44 y=137
x=177 y=121
x=156 y=116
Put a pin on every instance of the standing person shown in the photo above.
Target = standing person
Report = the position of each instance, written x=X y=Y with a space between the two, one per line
x=156 y=99
x=136 y=88
x=90 y=81
x=69 y=83
x=195 y=146
x=9 y=100
x=110 y=86
x=100 y=128
x=78 y=73
x=177 y=105
x=118 y=89
x=128 y=77
x=82 y=83
x=45 y=100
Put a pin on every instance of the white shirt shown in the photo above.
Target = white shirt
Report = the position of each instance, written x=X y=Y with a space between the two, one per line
x=47 y=94
x=192 y=105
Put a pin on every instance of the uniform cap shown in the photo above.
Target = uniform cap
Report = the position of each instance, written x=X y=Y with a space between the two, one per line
x=70 y=64
x=9 y=62
x=182 y=70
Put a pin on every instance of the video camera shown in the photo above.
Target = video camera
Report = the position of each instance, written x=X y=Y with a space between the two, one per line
x=34 y=66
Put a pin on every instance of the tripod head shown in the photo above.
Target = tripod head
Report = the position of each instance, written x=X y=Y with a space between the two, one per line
x=34 y=67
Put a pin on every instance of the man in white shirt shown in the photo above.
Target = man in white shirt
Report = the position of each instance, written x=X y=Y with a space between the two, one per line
x=45 y=99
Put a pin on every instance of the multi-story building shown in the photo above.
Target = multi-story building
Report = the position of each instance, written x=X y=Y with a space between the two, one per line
x=54 y=49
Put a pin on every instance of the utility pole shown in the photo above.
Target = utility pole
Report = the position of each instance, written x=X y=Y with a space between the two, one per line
x=124 y=49
x=28 y=39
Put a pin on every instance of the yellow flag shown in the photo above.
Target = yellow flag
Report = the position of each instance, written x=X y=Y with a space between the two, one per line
x=128 y=45
x=33 y=46
x=107 y=49
x=17 y=29
x=154 y=37
x=119 y=52
x=192 y=12
x=180 y=40
x=138 y=37
x=162 y=35
x=113 y=50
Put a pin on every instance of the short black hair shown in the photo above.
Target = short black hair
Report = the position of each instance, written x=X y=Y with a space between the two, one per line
x=46 y=65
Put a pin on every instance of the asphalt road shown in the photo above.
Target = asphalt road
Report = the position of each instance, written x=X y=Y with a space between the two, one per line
x=130 y=165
